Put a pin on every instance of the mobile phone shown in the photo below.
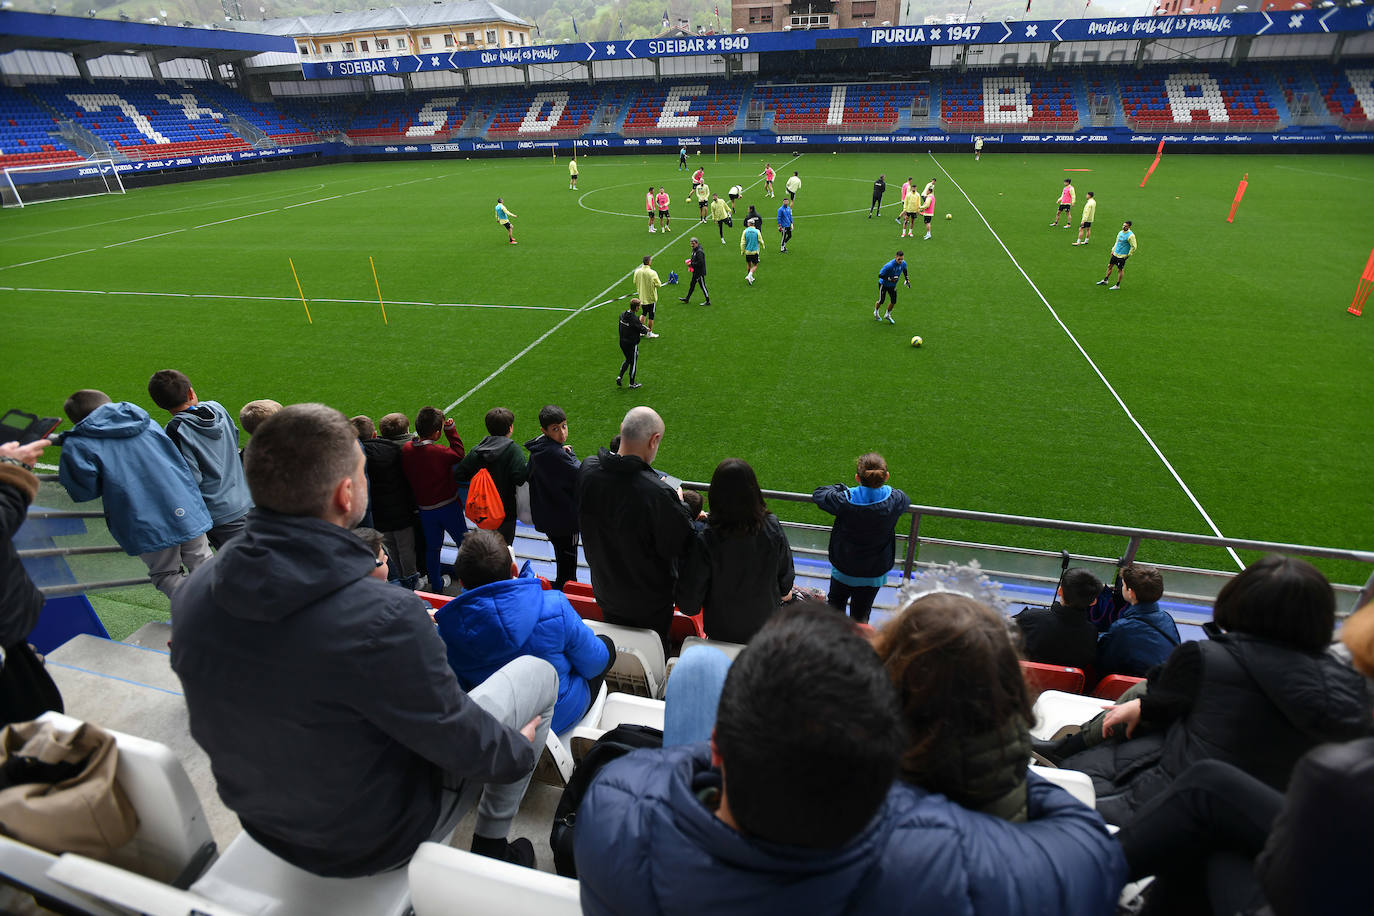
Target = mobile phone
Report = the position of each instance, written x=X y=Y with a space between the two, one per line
x=16 y=425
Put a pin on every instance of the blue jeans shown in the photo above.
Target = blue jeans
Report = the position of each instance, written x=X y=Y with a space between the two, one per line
x=435 y=522
x=692 y=695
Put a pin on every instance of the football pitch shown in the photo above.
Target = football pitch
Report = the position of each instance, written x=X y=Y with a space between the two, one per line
x=1223 y=389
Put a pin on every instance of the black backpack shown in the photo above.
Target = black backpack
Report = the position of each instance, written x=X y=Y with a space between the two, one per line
x=616 y=743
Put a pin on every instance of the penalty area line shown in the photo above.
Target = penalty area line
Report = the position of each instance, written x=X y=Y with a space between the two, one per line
x=586 y=307
x=1149 y=440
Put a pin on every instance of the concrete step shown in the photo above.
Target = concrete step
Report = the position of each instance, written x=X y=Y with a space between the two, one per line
x=156 y=635
x=133 y=689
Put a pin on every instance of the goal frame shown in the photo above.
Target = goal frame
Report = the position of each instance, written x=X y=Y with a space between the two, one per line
x=105 y=170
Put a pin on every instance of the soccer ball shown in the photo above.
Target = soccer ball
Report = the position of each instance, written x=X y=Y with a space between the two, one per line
x=698 y=152
x=917 y=341
x=949 y=216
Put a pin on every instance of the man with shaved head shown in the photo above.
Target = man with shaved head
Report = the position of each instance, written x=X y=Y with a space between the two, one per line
x=635 y=527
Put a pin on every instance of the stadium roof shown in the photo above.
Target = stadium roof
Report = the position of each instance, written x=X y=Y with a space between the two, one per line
x=390 y=19
x=95 y=37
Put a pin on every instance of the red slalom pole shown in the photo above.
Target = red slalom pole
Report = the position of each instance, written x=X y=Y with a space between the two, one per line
x=1240 y=192
x=1153 y=165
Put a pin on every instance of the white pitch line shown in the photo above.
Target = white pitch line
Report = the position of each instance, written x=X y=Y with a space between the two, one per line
x=56 y=257
x=588 y=306
x=448 y=305
x=144 y=239
x=306 y=203
x=234 y=219
x=1074 y=340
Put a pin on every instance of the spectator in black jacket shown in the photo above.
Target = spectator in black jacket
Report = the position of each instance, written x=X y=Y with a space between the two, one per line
x=696 y=264
x=863 y=540
x=503 y=460
x=390 y=501
x=1062 y=634
x=634 y=527
x=553 y=490
x=739 y=570
x=335 y=727
x=26 y=690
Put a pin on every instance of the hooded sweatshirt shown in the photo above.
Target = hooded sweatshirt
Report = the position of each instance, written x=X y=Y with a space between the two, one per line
x=553 y=486
x=506 y=464
x=324 y=698
x=634 y=531
x=209 y=441
x=150 y=498
x=646 y=844
x=490 y=626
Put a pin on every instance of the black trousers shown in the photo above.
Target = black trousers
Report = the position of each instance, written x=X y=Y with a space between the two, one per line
x=631 y=363
x=877 y=204
x=1199 y=839
x=786 y=236
x=858 y=597
x=698 y=280
x=564 y=558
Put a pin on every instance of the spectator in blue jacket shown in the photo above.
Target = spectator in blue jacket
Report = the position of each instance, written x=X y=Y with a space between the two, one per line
x=152 y=505
x=501 y=616
x=553 y=490
x=207 y=438
x=863 y=541
x=1144 y=635
x=793 y=807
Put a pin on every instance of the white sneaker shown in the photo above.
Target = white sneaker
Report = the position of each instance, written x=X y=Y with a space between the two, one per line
x=926 y=236
x=652 y=229
x=750 y=278
x=651 y=335
x=1117 y=286
x=876 y=316
x=722 y=241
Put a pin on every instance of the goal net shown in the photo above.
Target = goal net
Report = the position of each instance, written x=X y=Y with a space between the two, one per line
x=32 y=184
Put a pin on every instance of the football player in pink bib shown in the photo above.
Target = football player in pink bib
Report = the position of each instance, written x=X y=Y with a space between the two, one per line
x=1066 y=199
x=768 y=175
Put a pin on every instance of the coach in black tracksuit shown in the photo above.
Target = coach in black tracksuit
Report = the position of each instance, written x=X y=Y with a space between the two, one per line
x=697 y=265
x=879 y=187
x=631 y=330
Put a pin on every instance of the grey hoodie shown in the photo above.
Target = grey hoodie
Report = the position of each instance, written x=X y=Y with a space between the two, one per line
x=209 y=441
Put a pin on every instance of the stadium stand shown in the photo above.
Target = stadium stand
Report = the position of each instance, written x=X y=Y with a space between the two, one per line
x=29 y=134
x=671 y=108
x=817 y=108
x=395 y=118
x=141 y=120
x=1009 y=101
x=545 y=113
x=1199 y=98
x=274 y=122
x=1348 y=93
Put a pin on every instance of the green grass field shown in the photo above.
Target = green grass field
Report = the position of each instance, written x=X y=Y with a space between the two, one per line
x=1229 y=344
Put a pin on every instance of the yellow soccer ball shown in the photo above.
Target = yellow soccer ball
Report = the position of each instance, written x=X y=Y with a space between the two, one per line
x=949 y=216
x=917 y=341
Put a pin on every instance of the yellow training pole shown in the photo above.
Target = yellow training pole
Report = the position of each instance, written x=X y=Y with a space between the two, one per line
x=299 y=290
x=379 y=289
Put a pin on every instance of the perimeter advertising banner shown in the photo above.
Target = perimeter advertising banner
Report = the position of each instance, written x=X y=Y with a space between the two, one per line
x=1296 y=22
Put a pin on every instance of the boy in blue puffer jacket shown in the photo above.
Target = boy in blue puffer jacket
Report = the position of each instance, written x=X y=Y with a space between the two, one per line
x=863 y=542
x=500 y=617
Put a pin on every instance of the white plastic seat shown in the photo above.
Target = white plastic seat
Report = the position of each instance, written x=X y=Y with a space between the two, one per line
x=556 y=762
x=619 y=709
x=1079 y=785
x=1055 y=709
x=249 y=878
x=731 y=649
x=172 y=834
x=128 y=891
x=640 y=667
x=450 y=882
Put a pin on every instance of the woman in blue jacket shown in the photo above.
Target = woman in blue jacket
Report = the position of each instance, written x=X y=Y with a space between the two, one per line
x=863 y=541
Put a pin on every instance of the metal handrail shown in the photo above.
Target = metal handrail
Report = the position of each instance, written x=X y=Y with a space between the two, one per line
x=1134 y=536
